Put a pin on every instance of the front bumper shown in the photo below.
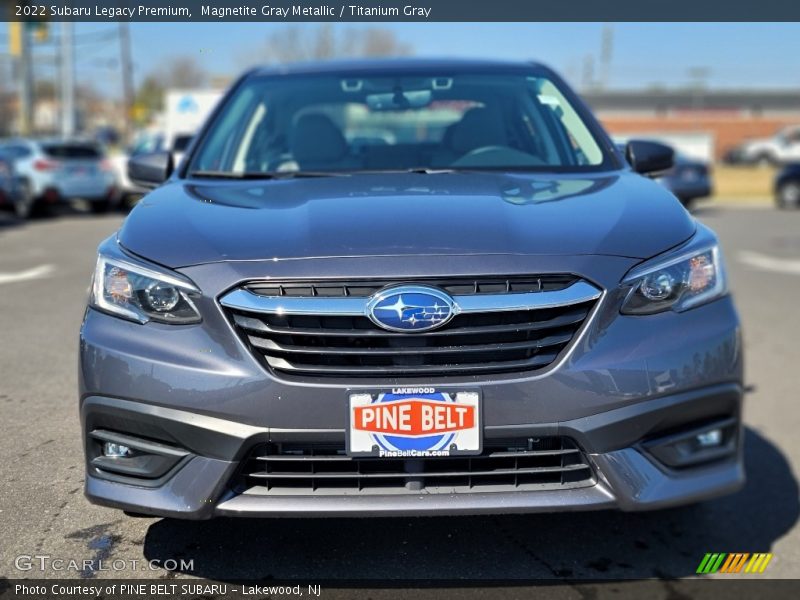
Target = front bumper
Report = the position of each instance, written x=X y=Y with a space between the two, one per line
x=626 y=383
x=627 y=476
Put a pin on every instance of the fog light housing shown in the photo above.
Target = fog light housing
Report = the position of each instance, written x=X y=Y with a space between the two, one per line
x=709 y=439
x=112 y=454
x=696 y=445
x=114 y=450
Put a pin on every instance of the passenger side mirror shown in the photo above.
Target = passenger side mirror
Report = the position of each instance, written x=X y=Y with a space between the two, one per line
x=649 y=158
x=150 y=170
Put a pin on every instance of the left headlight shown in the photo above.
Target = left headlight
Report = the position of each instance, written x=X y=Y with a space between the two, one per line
x=678 y=283
x=141 y=294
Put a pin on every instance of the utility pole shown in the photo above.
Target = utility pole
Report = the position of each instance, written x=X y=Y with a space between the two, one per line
x=127 y=77
x=606 y=53
x=25 y=90
x=67 y=81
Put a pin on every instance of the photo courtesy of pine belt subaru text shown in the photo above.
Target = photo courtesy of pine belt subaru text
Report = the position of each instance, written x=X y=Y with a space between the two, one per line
x=408 y=287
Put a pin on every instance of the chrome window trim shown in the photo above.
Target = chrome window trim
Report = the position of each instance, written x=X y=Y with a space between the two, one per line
x=245 y=300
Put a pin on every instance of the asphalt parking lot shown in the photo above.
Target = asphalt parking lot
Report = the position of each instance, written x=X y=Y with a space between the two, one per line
x=45 y=268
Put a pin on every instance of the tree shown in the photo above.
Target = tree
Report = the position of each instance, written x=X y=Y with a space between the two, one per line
x=295 y=43
x=183 y=72
x=180 y=72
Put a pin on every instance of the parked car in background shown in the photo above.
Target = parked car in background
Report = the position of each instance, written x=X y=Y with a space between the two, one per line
x=783 y=147
x=14 y=192
x=690 y=179
x=145 y=143
x=62 y=170
x=787 y=186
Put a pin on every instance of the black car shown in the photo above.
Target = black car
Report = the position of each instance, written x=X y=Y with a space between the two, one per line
x=787 y=186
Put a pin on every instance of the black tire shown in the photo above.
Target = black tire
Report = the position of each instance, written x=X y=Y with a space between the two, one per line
x=100 y=207
x=788 y=195
x=25 y=204
x=766 y=160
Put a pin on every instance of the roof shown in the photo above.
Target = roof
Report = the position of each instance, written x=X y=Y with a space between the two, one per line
x=386 y=66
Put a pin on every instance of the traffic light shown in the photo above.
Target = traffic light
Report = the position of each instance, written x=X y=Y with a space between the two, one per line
x=40 y=29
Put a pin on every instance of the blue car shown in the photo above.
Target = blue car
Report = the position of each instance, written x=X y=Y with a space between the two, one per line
x=408 y=288
x=787 y=187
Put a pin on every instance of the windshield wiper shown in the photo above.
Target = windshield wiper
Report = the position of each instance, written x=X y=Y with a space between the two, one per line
x=265 y=174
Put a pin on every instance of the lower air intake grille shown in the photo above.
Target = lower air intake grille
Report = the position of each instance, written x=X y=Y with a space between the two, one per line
x=522 y=464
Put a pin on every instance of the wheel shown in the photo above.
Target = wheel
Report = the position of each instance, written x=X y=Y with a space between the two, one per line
x=765 y=160
x=100 y=206
x=23 y=207
x=788 y=195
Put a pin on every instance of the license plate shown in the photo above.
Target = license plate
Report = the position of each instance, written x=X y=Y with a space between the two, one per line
x=416 y=422
x=80 y=171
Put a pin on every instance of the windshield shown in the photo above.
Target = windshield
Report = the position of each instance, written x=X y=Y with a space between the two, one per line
x=325 y=123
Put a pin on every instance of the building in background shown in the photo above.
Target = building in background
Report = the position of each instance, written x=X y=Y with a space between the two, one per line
x=720 y=119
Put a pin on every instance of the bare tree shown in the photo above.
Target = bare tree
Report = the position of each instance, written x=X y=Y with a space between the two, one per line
x=182 y=72
x=295 y=43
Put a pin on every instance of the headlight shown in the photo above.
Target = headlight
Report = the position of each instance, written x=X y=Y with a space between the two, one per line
x=141 y=294
x=676 y=284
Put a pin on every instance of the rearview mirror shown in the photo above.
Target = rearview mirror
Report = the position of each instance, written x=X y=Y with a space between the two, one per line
x=150 y=170
x=649 y=158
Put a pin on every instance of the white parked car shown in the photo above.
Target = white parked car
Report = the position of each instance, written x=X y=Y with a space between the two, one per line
x=146 y=143
x=60 y=170
x=783 y=147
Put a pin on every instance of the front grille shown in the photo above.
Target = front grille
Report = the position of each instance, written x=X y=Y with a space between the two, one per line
x=453 y=286
x=353 y=346
x=518 y=464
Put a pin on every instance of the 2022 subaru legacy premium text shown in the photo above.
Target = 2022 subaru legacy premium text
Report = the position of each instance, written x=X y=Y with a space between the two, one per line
x=408 y=287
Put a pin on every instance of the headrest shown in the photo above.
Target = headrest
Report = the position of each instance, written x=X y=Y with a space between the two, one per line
x=315 y=137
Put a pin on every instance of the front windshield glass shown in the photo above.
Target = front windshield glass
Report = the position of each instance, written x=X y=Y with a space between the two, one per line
x=326 y=123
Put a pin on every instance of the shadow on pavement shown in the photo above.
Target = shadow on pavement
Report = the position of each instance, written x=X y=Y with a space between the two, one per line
x=595 y=545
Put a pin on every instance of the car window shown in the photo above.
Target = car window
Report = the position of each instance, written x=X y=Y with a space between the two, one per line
x=328 y=123
x=181 y=143
x=72 y=151
x=17 y=151
x=146 y=143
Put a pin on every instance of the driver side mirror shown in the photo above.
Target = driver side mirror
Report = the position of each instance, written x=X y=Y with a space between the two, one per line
x=649 y=158
x=150 y=170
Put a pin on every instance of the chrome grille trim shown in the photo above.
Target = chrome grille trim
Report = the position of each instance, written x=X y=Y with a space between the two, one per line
x=245 y=300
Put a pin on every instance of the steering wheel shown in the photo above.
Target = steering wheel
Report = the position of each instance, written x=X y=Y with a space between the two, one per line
x=497 y=156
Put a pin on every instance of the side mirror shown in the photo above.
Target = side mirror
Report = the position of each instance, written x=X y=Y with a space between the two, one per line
x=150 y=170
x=649 y=157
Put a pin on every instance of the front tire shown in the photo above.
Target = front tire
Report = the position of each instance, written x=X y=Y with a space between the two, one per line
x=788 y=196
x=766 y=159
x=100 y=207
x=24 y=205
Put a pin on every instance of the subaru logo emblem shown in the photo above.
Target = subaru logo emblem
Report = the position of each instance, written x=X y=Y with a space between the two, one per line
x=410 y=308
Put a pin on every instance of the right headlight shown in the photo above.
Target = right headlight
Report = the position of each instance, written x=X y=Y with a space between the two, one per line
x=142 y=294
x=676 y=283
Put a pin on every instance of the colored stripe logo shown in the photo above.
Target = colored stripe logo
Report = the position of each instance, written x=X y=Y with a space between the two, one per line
x=737 y=562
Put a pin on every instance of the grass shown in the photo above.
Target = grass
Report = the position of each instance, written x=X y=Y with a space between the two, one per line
x=743 y=184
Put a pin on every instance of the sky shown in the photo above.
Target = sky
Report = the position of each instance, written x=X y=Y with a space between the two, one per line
x=732 y=55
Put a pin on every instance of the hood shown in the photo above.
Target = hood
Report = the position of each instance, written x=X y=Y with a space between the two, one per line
x=620 y=214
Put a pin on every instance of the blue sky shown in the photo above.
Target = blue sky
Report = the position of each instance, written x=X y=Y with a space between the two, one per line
x=738 y=55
